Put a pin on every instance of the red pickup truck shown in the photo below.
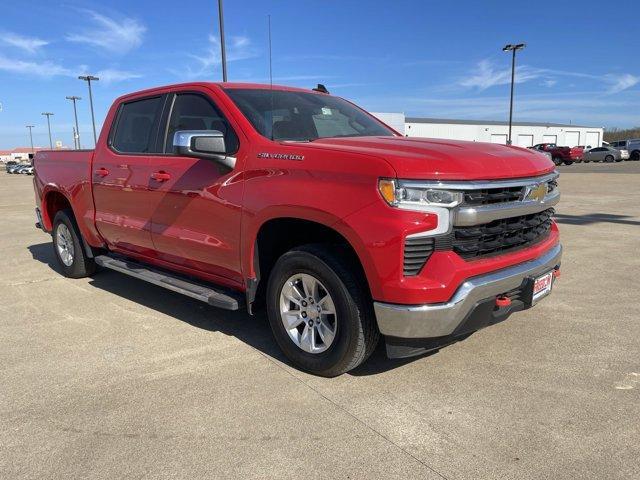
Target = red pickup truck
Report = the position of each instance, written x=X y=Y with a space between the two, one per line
x=560 y=155
x=243 y=195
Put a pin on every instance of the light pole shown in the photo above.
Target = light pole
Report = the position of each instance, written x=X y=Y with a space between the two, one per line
x=88 y=79
x=30 y=135
x=76 y=134
x=513 y=49
x=48 y=115
x=222 y=49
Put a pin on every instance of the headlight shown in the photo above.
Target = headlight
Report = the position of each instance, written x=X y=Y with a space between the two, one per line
x=407 y=195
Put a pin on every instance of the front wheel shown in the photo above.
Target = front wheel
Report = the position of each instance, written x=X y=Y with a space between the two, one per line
x=586 y=161
x=320 y=311
x=568 y=162
x=68 y=246
x=608 y=158
x=557 y=161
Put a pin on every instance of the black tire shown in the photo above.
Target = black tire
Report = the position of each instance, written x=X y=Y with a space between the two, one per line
x=568 y=162
x=557 y=161
x=82 y=265
x=608 y=159
x=586 y=161
x=356 y=329
x=635 y=155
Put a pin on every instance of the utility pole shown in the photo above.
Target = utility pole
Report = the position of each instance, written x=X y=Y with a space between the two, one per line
x=513 y=49
x=88 y=79
x=222 y=49
x=30 y=135
x=48 y=115
x=76 y=132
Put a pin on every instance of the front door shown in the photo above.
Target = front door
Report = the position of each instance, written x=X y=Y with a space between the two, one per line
x=120 y=177
x=197 y=213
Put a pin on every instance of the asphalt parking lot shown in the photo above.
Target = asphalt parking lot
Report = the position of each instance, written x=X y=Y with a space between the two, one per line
x=109 y=377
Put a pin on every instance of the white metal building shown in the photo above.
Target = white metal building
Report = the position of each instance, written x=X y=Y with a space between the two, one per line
x=524 y=134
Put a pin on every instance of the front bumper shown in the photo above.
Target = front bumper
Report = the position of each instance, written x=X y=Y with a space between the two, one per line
x=444 y=319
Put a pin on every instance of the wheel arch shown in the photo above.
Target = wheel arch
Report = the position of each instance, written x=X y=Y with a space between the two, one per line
x=53 y=201
x=278 y=234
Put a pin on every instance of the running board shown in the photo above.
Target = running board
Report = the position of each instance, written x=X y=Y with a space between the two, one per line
x=221 y=298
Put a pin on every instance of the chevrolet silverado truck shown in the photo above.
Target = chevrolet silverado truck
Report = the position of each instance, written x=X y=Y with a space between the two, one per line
x=560 y=155
x=302 y=204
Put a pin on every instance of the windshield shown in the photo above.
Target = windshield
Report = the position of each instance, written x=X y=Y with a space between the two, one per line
x=304 y=117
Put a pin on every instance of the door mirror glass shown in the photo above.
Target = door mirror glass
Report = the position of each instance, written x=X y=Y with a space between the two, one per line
x=202 y=144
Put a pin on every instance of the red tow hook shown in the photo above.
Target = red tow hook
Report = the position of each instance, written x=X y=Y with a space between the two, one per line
x=556 y=273
x=502 y=301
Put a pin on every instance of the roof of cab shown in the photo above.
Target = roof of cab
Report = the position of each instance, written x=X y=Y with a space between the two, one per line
x=225 y=85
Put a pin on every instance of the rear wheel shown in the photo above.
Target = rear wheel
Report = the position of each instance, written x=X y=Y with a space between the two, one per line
x=568 y=162
x=585 y=161
x=608 y=158
x=635 y=155
x=557 y=160
x=69 y=248
x=319 y=310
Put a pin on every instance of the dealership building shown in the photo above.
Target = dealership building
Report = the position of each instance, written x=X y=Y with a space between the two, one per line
x=524 y=134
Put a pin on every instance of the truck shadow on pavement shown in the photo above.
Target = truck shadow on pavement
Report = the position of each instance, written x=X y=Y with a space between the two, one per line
x=252 y=330
x=591 y=218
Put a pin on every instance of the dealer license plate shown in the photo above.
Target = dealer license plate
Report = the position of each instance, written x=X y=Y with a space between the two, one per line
x=542 y=286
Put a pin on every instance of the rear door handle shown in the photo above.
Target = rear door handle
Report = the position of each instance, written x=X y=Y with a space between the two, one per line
x=103 y=172
x=160 y=176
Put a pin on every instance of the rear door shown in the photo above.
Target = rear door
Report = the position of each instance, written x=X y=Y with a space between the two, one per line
x=121 y=176
x=197 y=207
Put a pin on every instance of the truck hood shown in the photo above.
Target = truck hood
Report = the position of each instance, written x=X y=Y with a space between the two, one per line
x=423 y=158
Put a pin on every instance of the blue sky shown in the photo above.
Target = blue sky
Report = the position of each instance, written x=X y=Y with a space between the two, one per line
x=424 y=58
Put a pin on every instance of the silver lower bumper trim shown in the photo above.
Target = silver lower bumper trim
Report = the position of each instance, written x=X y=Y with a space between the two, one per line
x=441 y=319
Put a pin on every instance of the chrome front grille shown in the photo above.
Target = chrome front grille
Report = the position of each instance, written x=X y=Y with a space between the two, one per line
x=489 y=196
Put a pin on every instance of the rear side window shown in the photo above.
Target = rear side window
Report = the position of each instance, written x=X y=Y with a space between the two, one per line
x=137 y=126
x=194 y=112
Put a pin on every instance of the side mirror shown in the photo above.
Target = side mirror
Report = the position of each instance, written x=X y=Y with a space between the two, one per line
x=203 y=144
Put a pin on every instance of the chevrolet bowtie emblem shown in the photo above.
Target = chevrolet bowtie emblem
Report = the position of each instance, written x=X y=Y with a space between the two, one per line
x=535 y=192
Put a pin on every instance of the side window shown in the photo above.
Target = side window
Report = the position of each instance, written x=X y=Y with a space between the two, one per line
x=137 y=126
x=195 y=112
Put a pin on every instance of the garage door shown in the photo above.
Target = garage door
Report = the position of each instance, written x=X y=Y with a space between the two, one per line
x=525 y=141
x=549 y=139
x=499 y=138
x=593 y=139
x=572 y=139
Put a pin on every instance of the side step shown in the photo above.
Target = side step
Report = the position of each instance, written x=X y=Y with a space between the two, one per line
x=221 y=298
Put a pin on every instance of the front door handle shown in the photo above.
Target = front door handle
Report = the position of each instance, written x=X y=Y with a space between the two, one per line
x=103 y=172
x=160 y=176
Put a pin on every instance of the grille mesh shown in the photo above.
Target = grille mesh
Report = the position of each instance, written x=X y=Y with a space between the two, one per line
x=500 y=236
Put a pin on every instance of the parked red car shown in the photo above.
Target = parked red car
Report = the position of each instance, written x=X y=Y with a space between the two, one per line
x=560 y=155
x=243 y=195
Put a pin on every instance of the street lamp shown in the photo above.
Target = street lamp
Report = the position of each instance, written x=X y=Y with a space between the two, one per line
x=30 y=135
x=48 y=115
x=89 y=79
x=513 y=49
x=222 y=49
x=76 y=134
